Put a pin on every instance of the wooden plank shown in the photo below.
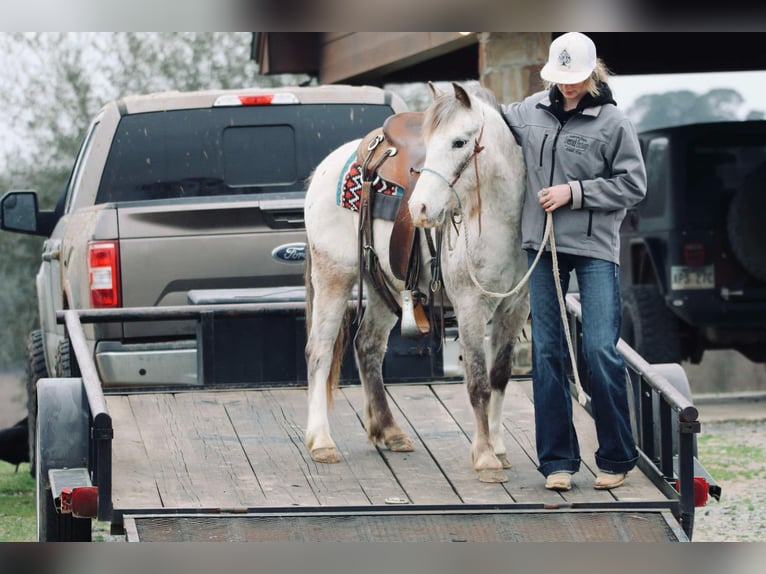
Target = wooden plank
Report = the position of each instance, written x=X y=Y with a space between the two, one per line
x=417 y=472
x=271 y=450
x=215 y=459
x=352 y=481
x=525 y=483
x=133 y=484
x=186 y=452
x=164 y=451
x=446 y=442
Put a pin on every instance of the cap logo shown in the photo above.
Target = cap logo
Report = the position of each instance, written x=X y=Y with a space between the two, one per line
x=564 y=58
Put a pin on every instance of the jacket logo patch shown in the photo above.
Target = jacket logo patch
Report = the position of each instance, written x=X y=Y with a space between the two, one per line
x=576 y=144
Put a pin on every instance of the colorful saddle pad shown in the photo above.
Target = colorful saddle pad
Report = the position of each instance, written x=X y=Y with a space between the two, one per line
x=387 y=194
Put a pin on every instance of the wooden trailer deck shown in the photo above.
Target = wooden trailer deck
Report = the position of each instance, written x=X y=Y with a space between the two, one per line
x=243 y=450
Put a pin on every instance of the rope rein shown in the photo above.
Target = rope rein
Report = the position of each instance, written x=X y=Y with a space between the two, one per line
x=548 y=235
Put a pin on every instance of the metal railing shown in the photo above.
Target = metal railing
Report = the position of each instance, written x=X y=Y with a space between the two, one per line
x=661 y=440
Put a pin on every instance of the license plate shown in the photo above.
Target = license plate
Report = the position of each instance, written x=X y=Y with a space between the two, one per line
x=686 y=277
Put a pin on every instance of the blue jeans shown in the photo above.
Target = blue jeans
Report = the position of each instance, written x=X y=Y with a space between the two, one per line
x=557 y=446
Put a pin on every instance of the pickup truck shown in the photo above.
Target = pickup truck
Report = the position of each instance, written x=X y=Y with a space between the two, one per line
x=172 y=192
x=693 y=267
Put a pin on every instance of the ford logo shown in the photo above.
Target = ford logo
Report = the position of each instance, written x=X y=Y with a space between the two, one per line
x=290 y=253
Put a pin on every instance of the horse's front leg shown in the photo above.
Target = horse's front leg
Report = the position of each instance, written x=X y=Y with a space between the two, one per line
x=483 y=457
x=370 y=348
x=507 y=323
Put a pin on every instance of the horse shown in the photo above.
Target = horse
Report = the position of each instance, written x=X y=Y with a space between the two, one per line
x=471 y=188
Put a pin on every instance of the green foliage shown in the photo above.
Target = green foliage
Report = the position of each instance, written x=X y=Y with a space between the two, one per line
x=732 y=460
x=18 y=522
x=686 y=107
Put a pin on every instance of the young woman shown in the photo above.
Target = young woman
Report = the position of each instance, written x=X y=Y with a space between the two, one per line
x=584 y=165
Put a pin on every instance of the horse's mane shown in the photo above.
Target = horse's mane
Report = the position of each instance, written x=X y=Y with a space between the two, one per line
x=446 y=104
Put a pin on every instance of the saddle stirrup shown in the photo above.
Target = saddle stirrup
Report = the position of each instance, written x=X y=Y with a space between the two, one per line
x=414 y=320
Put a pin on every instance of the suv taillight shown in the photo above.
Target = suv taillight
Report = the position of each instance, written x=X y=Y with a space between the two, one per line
x=104 y=273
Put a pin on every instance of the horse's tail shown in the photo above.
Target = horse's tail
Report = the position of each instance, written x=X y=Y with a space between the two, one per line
x=339 y=349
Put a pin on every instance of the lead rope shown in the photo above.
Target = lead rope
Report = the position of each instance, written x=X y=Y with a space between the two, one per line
x=547 y=235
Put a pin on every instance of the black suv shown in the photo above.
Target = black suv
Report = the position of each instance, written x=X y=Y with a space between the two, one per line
x=693 y=263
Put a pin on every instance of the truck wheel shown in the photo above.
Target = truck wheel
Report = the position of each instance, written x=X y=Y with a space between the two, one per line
x=648 y=326
x=61 y=441
x=36 y=370
x=745 y=228
x=66 y=363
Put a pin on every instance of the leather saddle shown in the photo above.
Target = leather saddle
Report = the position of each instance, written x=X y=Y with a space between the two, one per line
x=403 y=133
x=392 y=152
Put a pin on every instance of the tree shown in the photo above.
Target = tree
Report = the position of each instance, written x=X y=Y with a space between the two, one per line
x=54 y=83
x=685 y=107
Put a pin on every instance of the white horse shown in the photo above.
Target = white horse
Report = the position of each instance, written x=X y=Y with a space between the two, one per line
x=472 y=186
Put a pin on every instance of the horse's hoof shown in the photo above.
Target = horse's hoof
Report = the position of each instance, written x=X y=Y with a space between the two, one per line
x=400 y=444
x=327 y=455
x=504 y=460
x=492 y=475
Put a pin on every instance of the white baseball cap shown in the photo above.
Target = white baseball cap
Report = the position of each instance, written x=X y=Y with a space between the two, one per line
x=571 y=59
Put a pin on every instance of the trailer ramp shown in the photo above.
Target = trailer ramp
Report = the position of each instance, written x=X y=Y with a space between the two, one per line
x=409 y=526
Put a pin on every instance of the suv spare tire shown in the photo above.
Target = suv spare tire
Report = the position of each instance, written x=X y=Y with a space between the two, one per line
x=648 y=326
x=745 y=228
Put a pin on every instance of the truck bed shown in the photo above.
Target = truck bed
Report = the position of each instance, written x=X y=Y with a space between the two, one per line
x=182 y=460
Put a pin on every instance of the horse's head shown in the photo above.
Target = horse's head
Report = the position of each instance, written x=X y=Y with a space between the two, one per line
x=454 y=134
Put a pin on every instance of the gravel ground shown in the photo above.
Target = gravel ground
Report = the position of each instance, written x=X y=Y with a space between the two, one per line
x=732 y=447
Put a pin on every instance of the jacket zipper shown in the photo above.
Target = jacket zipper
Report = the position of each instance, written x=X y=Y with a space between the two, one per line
x=542 y=149
x=553 y=161
x=553 y=153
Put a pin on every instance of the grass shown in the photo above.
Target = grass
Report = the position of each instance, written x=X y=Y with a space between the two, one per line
x=18 y=522
x=727 y=460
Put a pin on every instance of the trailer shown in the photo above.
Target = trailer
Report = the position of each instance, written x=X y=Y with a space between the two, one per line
x=224 y=460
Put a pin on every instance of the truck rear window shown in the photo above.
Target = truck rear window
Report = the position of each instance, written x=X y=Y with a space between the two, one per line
x=223 y=151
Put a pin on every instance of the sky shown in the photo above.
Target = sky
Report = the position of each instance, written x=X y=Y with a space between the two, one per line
x=750 y=85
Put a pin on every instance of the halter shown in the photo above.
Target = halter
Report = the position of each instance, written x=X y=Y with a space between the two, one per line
x=477 y=149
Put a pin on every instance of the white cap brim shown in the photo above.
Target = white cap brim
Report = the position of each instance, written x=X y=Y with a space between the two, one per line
x=556 y=75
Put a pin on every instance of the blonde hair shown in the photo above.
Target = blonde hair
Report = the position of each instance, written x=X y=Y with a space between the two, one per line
x=599 y=74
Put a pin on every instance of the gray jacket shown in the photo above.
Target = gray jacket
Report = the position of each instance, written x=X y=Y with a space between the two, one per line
x=598 y=154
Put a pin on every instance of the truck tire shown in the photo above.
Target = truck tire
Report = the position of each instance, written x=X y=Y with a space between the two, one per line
x=61 y=441
x=745 y=228
x=648 y=326
x=36 y=370
x=66 y=363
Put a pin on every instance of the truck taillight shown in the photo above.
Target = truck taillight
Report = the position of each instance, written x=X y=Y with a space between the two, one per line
x=262 y=99
x=104 y=273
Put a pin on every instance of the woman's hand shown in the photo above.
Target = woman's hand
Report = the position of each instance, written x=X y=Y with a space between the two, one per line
x=551 y=198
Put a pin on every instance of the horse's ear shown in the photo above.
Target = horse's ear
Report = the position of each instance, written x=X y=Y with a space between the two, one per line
x=461 y=95
x=435 y=92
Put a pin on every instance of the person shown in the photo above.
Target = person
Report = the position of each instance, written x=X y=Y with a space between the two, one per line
x=584 y=166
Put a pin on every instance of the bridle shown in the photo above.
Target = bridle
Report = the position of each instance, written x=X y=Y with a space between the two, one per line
x=474 y=155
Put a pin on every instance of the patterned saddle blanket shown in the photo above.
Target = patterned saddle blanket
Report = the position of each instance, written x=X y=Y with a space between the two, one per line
x=387 y=194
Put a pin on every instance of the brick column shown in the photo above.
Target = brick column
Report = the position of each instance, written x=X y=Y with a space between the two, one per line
x=510 y=62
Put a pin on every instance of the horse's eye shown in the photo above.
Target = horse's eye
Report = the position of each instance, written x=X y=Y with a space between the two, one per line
x=457 y=144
